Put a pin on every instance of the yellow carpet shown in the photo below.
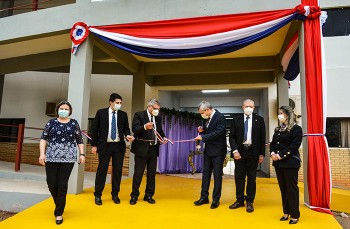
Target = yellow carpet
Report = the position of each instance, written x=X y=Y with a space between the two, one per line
x=174 y=209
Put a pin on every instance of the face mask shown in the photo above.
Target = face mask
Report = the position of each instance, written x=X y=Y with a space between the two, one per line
x=248 y=110
x=63 y=113
x=117 y=107
x=281 y=118
x=155 y=112
x=204 y=116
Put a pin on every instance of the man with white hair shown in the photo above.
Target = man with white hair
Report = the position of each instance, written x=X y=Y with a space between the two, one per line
x=247 y=140
x=212 y=133
x=146 y=149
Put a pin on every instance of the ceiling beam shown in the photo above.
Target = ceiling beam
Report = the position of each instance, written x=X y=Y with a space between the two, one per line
x=45 y=60
x=35 y=61
x=213 y=79
x=121 y=56
x=245 y=64
x=106 y=68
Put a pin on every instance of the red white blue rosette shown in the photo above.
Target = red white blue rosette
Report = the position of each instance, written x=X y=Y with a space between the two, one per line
x=78 y=34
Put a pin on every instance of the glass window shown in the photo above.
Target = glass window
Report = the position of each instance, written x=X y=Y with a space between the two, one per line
x=337 y=23
x=9 y=129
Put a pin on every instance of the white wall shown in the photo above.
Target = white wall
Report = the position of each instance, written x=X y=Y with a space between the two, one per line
x=338 y=74
x=26 y=93
x=169 y=100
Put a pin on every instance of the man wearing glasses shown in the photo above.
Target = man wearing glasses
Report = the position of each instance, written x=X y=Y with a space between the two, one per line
x=146 y=125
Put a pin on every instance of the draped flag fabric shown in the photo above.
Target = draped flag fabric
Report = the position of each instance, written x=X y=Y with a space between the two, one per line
x=214 y=35
x=319 y=173
x=192 y=37
x=290 y=59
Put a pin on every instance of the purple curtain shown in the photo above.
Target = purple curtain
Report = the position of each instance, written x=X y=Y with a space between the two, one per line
x=174 y=158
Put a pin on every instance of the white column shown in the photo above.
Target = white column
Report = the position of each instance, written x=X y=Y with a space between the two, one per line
x=79 y=97
x=282 y=88
x=303 y=111
x=138 y=103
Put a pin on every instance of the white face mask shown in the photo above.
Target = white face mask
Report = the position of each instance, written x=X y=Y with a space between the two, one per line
x=248 y=110
x=281 y=118
x=204 y=116
x=155 y=112
x=63 y=113
x=117 y=107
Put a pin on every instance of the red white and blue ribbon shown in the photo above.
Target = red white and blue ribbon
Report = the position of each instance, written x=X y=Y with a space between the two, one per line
x=78 y=34
x=193 y=37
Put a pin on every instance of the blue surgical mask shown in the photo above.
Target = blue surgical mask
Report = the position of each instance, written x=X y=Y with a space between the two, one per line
x=63 y=113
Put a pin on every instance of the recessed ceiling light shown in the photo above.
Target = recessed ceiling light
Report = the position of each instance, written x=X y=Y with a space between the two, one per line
x=216 y=91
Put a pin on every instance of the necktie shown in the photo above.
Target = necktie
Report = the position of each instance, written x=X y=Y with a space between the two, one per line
x=207 y=123
x=246 y=129
x=113 y=127
x=153 y=136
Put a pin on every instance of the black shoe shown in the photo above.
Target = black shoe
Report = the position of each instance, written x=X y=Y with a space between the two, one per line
x=236 y=204
x=59 y=221
x=214 y=204
x=133 y=200
x=250 y=207
x=293 y=221
x=284 y=218
x=116 y=199
x=201 y=202
x=149 y=199
x=98 y=200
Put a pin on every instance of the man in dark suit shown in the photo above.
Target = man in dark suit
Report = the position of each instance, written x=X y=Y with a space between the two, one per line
x=108 y=131
x=212 y=133
x=247 y=140
x=146 y=149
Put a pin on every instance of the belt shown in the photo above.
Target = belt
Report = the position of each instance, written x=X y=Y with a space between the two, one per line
x=247 y=145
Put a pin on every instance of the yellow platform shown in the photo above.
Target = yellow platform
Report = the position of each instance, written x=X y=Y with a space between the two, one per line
x=174 y=209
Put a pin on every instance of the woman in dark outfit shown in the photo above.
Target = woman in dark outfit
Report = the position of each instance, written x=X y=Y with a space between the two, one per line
x=58 y=152
x=284 y=150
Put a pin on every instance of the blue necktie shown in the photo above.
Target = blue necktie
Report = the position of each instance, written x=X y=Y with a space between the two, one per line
x=113 y=127
x=246 y=129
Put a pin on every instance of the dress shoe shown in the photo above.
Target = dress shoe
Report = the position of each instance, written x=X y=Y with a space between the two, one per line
x=133 y=201
x=201 y=202
x=236 y=204
x=98 y=200
x=116 y=199
x=284 y=218
x=250 y=207
x=214 y=204
x=59 y=221
x=293 y=221
x=149 y=199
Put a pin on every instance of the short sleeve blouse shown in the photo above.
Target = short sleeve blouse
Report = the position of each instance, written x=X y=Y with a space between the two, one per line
x=62 y=140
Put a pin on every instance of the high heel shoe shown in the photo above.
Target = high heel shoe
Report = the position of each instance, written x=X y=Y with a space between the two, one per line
x=59 y=221
x=293 y=221
x=284 y=218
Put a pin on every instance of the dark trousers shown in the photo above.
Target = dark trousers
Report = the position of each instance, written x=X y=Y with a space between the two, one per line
x=288 y=182
x=140 y=164
x=113 y=150
x=246 y=167
x=57 y=176
x=212 y=163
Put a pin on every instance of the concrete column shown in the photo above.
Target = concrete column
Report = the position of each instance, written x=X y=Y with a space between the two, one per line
x=2 y=80
x=303 y=112
x=79 y=97
x=138 y=103
x=282 y=88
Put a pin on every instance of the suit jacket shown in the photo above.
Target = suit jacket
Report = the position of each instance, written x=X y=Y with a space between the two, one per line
x=214 y=136
x=139 y=147
x=99 y=129
x=258 y=134
x=286 y=144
